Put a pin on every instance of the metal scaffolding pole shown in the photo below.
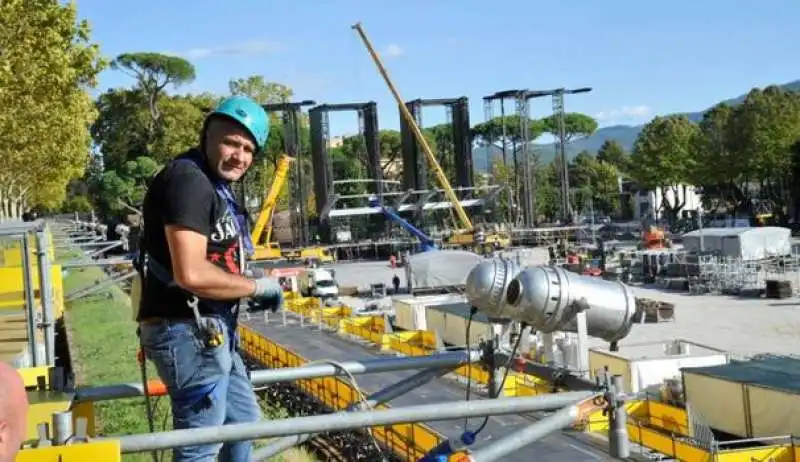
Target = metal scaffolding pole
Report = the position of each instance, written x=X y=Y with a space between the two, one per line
x=619 y=443
x=380 y=397
x=46 y=297
x=346 y=421
x=290 y=374
x=525 y=436
x=30 y=300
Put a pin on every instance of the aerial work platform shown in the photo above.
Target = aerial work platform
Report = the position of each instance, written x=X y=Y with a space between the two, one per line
x=314 y=344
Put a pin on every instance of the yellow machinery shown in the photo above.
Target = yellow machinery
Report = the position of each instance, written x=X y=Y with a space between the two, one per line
x=468 y=236
x=654 y=238
x=261 y=236
x=318 y=253
x=264 y=248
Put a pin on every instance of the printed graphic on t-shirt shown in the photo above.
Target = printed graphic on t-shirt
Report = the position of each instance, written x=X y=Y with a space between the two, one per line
x=223 y=243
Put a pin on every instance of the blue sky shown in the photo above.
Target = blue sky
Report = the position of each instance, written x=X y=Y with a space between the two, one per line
x=642 y=58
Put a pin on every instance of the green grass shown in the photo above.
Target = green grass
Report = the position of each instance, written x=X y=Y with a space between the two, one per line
x=103 y=349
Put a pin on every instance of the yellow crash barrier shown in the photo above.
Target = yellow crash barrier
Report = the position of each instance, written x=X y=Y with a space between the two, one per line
x=105 y=451
x=30 y=375
x=12 y=288
x=370 y=328
x=409 y=441
x=41 y=407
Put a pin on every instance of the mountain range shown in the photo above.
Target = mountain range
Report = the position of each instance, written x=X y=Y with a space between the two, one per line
x=623 y=134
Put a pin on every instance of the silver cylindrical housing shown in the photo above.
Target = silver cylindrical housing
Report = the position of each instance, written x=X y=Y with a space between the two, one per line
x=487 y=284
x=548 y=298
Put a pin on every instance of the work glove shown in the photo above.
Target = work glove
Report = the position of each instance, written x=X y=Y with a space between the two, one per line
x=268 y=294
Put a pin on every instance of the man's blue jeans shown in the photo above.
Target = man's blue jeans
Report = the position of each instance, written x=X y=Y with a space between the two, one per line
x=207 y=386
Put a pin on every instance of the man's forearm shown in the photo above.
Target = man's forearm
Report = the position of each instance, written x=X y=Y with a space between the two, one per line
x=211 y=282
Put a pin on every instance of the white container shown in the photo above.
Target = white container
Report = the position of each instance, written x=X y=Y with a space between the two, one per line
x=409 y=311
x=645 y=365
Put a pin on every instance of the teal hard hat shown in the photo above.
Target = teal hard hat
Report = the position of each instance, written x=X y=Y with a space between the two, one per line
x=249 y=114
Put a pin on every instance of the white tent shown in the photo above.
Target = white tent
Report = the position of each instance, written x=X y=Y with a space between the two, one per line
x=744 y=243
x=441 y=268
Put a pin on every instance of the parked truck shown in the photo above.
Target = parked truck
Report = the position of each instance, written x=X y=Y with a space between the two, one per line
x=318 y=282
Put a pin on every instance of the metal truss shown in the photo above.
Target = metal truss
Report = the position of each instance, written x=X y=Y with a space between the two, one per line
x=415 y=200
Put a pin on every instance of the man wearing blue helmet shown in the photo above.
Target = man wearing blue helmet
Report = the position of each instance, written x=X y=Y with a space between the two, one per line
x=192 y=277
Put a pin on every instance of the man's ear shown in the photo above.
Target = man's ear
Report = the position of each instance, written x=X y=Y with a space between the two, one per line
x=5 y=439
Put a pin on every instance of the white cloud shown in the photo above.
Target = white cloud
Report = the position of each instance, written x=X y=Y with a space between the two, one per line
x=393 y=50
x=624 y=114
x=250 y=48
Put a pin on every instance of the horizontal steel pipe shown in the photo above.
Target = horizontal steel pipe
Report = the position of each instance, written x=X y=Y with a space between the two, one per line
x=379 y=397
x=287 y=374
x=370 y=366
x=502 y=448
x=346 y=421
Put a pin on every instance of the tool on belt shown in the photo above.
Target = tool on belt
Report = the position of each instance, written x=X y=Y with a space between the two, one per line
x=212 y=334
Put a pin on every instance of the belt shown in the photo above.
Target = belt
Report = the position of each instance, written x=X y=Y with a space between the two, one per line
x=162 y=320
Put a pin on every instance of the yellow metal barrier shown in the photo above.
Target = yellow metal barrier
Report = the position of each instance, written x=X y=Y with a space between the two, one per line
x=525 y=385
x=30 y=375
x=668 y=418
x=105 y=451
x=667 y=444
x=42 y=405
x=409 y=441
x=370 y=328
x=413 y=343
x=12 y=291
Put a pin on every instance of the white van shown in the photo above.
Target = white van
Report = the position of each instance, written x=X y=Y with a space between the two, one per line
x=317 y=282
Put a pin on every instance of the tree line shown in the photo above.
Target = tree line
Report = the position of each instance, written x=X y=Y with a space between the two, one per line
x=65 y=150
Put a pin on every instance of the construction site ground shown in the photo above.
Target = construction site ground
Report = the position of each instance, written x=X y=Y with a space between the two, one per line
x=314 y=344
x=743 y=326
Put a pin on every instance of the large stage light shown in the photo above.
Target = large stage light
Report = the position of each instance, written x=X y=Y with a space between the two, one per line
x=549 y=298
x=487 y=284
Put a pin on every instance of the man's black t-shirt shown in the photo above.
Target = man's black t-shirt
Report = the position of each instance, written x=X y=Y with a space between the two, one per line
x=182 y=194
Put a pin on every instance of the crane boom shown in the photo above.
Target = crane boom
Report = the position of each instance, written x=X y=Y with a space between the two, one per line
x=271 y=199
x=423 y=143
x=426 y=243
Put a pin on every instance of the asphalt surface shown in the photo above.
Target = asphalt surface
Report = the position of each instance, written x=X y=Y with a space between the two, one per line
x=313 y=344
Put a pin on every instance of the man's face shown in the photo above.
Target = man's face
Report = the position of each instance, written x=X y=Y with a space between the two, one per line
x=229 y=148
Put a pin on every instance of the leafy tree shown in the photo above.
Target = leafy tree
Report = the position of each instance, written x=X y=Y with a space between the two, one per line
x=795 y=172
x=391 y=154
x=547 y=192
x=605 y=191
x=256 y=87
x=121 y=131
x=47 y=65
x=663 y=158
x=128 y=185
x=80 y=204
x=763 y=129
x=576 y=125
x=440 y=139
x=153 y=73
x=613 y=153
x=721 y=172
x=181 y=122
x=504 y=133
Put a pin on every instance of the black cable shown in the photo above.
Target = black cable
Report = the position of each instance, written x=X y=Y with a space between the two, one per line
x=472 y=312
x=495 y=393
